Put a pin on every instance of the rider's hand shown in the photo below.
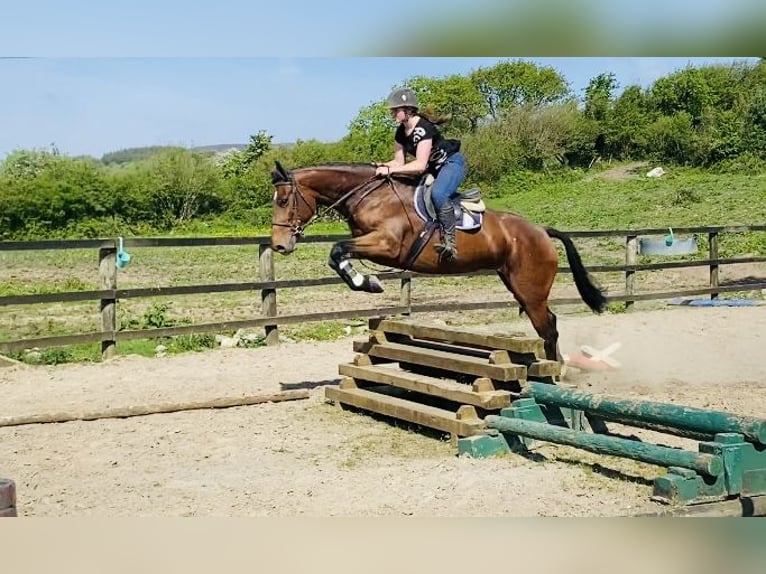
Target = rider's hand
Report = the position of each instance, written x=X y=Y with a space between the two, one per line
x=382 y=170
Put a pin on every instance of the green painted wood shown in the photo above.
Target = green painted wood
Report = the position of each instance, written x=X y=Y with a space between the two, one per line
x=707 y=464
x=682 y=417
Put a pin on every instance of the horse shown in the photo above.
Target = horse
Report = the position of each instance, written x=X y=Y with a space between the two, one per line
x=387 y=229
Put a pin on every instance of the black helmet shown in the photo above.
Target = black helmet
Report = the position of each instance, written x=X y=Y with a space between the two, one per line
x=402 y=97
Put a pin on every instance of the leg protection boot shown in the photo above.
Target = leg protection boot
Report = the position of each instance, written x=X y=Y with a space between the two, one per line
x=447 y=249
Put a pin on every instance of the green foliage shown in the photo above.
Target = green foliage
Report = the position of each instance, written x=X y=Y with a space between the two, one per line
x=754 y=124
x=599 y=96
x=235 y=163
x=517 y=83
x=193 y=342
x=456 y=96
x=52 y=356
x=322 y=331
x=155 y=317
x=133 y=155
x=514 y=118
x=626 y=124
x=41 y=191
x=181 y=185
x=370 y=135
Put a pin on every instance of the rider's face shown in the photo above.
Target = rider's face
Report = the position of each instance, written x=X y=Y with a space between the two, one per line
x=398 y=114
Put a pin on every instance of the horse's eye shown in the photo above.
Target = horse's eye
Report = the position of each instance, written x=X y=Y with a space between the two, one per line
x=282 y=201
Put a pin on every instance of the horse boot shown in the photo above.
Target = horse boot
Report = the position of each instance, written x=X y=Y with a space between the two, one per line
x=447 y=249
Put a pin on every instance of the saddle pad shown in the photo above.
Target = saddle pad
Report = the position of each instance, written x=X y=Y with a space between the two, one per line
x=464 y=220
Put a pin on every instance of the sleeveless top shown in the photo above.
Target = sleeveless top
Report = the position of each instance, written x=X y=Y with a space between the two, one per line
x=441 y=148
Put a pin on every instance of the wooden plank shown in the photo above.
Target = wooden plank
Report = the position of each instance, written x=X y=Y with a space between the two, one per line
x=258 y=240
x=442 y=388
x=43 y=342
x=56 y=244
x=703 y=463
x=107 y=277
x=63 y=297
x=544 y=368
x=268 y=296
x=666 y=414
x=142 y=410
x=261 y=322
x=449 y=362
x=8 y=362
x=402 y=409
x=537 y=367
x=517 y=344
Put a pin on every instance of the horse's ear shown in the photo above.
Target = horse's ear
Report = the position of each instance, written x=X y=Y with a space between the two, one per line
x=280 y=174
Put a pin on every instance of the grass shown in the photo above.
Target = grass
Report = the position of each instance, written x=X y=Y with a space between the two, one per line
x=684 y=197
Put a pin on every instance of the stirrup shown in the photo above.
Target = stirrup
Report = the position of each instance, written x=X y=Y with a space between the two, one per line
x=447 y=249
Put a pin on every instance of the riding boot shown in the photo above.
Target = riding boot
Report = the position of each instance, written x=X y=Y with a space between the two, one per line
x=447 y=248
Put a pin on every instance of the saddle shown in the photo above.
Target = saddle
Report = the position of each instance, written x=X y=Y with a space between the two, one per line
x=469 y=212
x=468 y=206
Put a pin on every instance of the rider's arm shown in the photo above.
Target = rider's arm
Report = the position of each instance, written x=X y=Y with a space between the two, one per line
x=398 y=156
x=417 y=165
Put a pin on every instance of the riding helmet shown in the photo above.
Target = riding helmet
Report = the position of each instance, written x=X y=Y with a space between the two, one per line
x=402 y=97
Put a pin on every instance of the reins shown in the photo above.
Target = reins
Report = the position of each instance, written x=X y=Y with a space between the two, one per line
x=298 y=229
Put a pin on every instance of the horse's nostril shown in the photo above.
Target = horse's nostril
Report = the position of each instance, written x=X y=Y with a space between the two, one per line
x=279 y=248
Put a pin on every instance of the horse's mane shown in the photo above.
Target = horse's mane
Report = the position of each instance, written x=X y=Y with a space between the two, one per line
x=353 y=166
x=344 y=166
x=339 y=165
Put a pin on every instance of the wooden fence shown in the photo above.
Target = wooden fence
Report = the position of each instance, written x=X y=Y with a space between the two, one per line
x=108 y=294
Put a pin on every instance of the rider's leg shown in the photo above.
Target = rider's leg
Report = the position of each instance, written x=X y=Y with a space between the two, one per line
x=445 y=187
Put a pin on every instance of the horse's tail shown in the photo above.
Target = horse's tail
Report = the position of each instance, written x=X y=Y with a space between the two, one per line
x=592 y=295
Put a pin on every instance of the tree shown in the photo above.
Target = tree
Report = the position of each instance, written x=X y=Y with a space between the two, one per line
x=518 y=83
x=182 y=185
x=370 y=135
x=599 y=95
x=454 y=95
x=684 y=91
x=236 y=163
x=627 y=122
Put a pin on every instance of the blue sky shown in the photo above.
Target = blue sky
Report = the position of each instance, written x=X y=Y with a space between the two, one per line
x=92 y=76
x=291 y=28
x=96 y=105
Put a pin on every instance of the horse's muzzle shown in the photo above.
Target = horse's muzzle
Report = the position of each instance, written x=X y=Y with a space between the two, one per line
x=284 y=247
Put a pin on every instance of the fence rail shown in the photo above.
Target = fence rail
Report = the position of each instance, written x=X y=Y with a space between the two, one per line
x=109 y=294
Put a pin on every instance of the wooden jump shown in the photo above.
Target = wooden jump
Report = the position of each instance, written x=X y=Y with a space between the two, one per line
x=7 y=498
x=438 y=377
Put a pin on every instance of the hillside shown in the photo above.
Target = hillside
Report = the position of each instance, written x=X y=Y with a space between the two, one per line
x=132 y=154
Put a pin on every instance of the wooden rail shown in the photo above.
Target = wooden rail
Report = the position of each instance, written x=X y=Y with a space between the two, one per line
x=108 y=295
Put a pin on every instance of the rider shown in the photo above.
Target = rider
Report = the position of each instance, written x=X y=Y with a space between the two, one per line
x=418 y=136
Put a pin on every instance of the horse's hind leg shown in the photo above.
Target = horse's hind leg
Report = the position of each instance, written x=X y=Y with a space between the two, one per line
x=532 y=295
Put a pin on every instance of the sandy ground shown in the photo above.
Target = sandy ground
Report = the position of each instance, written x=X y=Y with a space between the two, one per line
x=311 y=458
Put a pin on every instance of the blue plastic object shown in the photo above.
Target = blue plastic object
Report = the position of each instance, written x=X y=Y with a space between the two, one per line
x=123 y=257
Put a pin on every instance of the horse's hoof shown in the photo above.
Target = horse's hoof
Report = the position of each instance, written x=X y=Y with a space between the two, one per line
x=373 y=284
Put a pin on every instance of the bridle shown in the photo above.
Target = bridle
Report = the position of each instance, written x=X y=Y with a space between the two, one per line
x=294 y=222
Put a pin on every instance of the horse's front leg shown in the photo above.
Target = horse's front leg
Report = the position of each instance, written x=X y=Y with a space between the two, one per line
x=365 y=246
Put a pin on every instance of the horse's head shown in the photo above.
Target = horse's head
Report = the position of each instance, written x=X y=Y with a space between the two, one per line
x=293 y=208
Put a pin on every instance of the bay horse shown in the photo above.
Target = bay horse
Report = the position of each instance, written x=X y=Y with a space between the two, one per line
x=384 y=225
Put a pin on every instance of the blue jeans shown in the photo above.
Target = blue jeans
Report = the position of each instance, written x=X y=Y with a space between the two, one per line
x=450 y=177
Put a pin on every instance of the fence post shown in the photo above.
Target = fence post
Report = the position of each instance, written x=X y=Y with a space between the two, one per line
x=107 y=278
x=631 y=253
x=713 y=244
x=405 y=293
x=268 y=296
